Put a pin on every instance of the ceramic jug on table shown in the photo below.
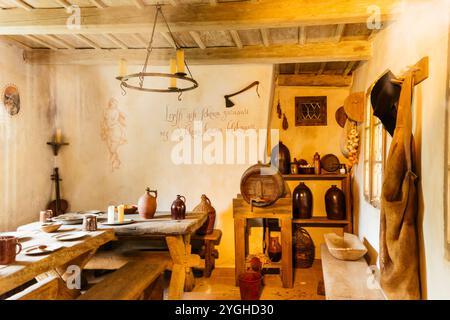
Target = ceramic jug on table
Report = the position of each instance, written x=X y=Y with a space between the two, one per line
x=178 y=208
x=147 y=204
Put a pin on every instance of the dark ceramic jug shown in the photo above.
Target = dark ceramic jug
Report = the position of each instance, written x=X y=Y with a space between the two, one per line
x=274 y=249
x=282 y=158
x=302 y=202
x=335 y=203
x=178 y=208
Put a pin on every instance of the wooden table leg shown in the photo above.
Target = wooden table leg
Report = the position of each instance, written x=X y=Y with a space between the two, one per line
x=182 y=276
x=60 y=273
x=287 y=272
x=240 y=226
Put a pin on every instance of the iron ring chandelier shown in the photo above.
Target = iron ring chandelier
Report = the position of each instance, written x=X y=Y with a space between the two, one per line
x=173 y=76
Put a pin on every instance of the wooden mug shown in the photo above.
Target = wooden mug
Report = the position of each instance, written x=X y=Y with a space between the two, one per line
x=8 y=250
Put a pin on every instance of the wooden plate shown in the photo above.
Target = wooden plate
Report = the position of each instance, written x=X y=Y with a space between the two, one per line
x=330 y=163
x=37 y=251
x=69 y=218
x=70 y=236
x=117 y=223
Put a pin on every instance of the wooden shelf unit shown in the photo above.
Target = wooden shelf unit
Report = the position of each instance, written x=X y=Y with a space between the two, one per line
x=316 y=221
x=321 y=177
x=281 y=210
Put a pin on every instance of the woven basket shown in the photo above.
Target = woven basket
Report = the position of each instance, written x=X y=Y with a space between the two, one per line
x=304 y=250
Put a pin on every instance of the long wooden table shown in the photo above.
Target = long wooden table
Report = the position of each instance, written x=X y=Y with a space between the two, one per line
x=27 y=268
x=177 y=234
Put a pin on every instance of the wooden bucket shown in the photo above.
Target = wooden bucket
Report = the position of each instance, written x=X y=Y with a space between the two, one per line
x=262 y=185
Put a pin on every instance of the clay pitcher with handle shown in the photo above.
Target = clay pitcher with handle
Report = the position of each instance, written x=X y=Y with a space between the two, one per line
x=178 y=208
x=147 y=204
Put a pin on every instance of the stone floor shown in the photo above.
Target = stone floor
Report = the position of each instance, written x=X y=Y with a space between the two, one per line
x=221 y=286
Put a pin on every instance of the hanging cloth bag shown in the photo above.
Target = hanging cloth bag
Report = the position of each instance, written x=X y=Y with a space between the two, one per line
x=399 y=256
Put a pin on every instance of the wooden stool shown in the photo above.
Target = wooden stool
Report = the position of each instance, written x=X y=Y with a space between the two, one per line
x=209 y=253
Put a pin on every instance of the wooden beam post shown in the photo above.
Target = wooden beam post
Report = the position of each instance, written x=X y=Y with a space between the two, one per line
x=311 y=52
x=182 y=18
x=311 y=80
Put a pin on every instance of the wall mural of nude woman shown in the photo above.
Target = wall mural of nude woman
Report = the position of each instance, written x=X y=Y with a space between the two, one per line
x=113 y=131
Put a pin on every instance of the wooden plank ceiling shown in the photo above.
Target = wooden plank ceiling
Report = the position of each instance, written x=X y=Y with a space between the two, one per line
x=323 y=37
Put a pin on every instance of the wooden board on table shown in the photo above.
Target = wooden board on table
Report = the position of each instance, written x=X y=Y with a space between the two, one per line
x=162 y=225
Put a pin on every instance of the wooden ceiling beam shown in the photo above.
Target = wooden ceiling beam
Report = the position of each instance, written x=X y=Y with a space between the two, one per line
x=169 y=39
x=14 y=42
x=116 y=41
x=198 y=40
x=99 y=4
x=142 y=42
x=88 y=41
x=42 y=42
x=349 y=68
x=307 y=80
x=339 y=32
x=313 y=52
x=322 y=68
x=140 y=4
x=265 y=36
x=235 y=15
x=237 y=40
x=302 y=36
x=59 y=41
x=65 y=4
x=22 y=4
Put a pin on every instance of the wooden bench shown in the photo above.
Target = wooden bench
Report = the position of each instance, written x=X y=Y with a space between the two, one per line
x=209 y=252
x=136 y=280
x=48 y=289
x=347 y=280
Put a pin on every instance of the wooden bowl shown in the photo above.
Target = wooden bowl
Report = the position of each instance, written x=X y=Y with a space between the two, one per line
x=130 y=209
x=50 y=227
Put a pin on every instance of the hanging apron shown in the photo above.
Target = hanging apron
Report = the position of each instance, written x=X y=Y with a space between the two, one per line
x=399 y=255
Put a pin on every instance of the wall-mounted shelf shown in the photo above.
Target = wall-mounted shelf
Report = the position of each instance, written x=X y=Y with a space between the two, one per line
x=314 y=221
x=324 y=177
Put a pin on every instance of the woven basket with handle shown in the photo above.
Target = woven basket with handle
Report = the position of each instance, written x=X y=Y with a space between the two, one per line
x=304 y=249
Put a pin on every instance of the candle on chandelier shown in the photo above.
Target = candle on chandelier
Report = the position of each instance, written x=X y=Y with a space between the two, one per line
x=58 y=136
x=173 y=70
x=180 y=61
x=123 y=66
